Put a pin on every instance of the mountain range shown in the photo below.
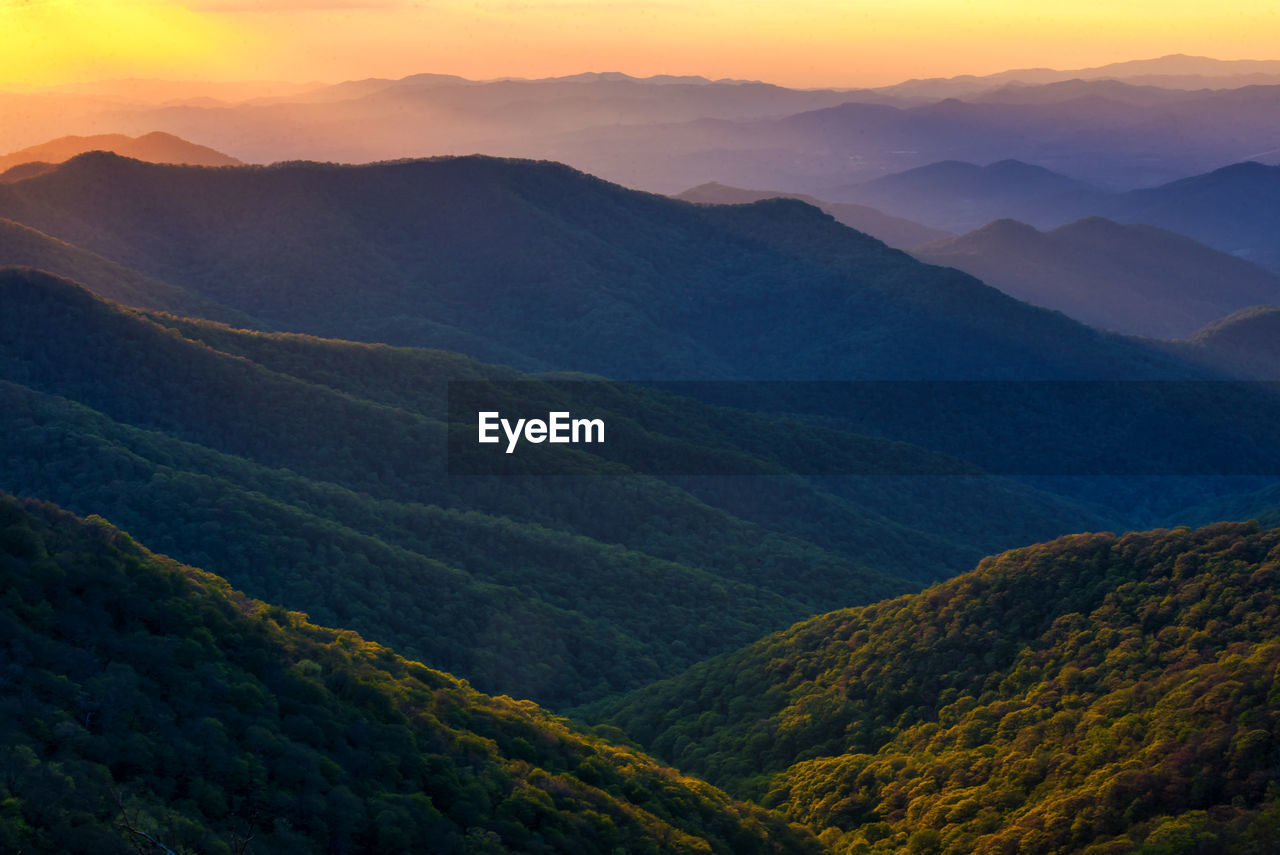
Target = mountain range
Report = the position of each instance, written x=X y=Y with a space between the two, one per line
x=894 y=231
x=314 y=473
x=1131 y=278
x=962 y=196
x=1119 y=127
x=589 y=276
x=155 y=147
x=538 y=266
x=1231 y=209
x=1175 y=71
x=797 y=568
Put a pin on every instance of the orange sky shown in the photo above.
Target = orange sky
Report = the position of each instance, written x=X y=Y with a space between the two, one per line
x=798 y=43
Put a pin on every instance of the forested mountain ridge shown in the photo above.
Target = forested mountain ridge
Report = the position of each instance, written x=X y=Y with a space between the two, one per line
x=341 y=506
x=1096 y=693
x=312 y=473
x=1247 y=341
x=21 y=246
x=149 y=706
x=539 y=266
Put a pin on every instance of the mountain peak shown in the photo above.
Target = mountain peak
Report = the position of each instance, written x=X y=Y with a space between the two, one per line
x=1008 y=229
x=154 y=147
x=1247 y=169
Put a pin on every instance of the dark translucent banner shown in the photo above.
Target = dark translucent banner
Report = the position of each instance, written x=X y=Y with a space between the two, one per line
x=584 y=427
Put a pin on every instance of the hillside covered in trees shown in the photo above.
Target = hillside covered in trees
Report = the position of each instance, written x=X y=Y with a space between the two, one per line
x=536 y=265
x=149 y=707
x=1096 y=694
x=312 y=473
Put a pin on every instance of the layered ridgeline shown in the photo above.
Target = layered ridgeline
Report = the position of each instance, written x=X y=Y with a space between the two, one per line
x=150 y=707
x=960 y=196
x=1092 y=694
x=895 y=231
x=1132 y=278
x=154 y=147
x=1232 y=208
x=312 y=474
x=536 y=265
x=21 y=246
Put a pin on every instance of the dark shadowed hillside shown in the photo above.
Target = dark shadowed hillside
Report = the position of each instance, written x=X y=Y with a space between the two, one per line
x=150 y=707
x=313 y=472
x=536 y=265
x=21 y=246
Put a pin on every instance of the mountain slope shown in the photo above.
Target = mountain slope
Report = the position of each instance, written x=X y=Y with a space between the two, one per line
x=1247 y=341
x=151 y=707
x=221 y=459
x=1130 y=278
x=953 y=195
x=155 y=147
x=25 y=247
x=1233 y=209
x=1096 y=691
x=314 y=473
x=895 y=231
x=536 y=265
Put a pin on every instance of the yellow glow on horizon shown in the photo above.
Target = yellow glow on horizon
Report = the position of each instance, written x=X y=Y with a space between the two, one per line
x=47 y=42
x=798 y=42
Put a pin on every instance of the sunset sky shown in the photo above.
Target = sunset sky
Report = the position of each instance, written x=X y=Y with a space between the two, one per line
x=797 y=43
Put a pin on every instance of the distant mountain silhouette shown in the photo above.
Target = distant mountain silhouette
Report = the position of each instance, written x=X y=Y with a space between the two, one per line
x=156 y=147
x=429 y=114
x=666 y=134
x=895 y=231
x=1130 y=278
x=953 y=194
x=1118 y=143
x=539 y=266
x=1118 y=91
x=1235 y=209
x=25 y=170
x=1176 y=71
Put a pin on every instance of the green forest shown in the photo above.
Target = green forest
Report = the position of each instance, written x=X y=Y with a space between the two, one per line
x=311 y=473
x=254 y=600
x=1096 y=694
x=150 y=707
